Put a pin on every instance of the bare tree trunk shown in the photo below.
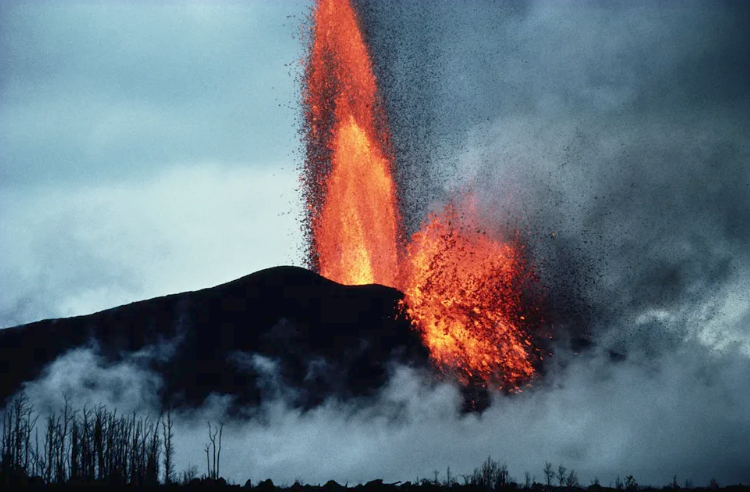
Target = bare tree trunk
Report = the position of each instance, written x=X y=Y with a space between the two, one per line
x=3 y=452
x=86 y=468
x=62 y=433
x=168 y=449
x=37 y=469
x=218 y=457
x=30 y=425
x=49 y=448
x=74 y=451
x=213 y=443
x=208 y=469
x=135 y=429
x=18 y=404
x=152 y=463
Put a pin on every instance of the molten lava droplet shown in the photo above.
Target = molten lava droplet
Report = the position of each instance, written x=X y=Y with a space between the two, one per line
x=354 y=219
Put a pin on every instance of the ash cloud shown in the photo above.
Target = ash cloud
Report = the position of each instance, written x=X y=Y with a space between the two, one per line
x=613 y=135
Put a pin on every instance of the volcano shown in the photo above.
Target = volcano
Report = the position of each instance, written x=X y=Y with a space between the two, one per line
x=471 y=302
x=323 y=340
x=465 y=288
x=317 y=339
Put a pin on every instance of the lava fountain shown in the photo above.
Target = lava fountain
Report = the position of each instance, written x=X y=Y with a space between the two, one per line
x=352 y=209
x=464 y=292
x=462 y=288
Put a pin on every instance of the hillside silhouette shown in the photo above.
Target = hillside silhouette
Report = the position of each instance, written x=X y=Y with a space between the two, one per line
x=324 y=339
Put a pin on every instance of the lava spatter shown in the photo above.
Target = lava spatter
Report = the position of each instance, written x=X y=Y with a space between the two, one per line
x=462 y=288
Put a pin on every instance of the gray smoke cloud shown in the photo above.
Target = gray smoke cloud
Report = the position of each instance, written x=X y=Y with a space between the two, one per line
x=613 y=134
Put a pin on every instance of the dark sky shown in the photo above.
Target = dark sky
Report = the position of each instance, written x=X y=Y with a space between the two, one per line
x=613 y=133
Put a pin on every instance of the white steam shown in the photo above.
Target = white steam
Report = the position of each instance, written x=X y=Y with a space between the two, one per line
x=684 y=413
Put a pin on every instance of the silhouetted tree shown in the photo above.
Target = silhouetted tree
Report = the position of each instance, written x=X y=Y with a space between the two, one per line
x=166 y=427
x=188 y=474
x=49 y=448
x=502 y=476
x=549 y=473
x=491 y=475
x=208 y=462
x=449 y=479
x=630 y=483
x=214 y=473
x=74 y=451
x=84 y=446
x=561 y=474
x=484 y=475
x=15 y=449
x=572 y=479
x=154 y=451
x=61 y=440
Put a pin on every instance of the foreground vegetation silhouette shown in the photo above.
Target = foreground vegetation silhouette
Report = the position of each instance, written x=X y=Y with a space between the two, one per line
x=96 y=447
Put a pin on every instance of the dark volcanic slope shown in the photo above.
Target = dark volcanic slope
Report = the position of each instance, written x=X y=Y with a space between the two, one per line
x=327 y=339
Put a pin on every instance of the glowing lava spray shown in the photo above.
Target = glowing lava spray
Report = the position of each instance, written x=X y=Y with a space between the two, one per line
x=352 y=207
x=461 y=287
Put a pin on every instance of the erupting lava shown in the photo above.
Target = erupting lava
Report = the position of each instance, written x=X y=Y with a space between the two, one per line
x=461 y=288
x=351 y=193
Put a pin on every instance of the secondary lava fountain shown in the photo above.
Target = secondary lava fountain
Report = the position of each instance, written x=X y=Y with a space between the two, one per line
x=463 y=291
x=462 y=288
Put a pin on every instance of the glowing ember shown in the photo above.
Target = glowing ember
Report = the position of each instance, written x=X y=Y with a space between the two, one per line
x=462 y=288
x=351 y=194
x=462 y=291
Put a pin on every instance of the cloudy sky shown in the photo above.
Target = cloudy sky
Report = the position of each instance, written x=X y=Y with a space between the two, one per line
x=146 y=148
x=151 y=148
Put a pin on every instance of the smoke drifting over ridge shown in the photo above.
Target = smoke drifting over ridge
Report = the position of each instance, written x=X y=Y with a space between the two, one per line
x=618 y=129
x=650 y=418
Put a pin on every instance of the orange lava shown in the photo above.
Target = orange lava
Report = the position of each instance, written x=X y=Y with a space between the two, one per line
x=461 y=286
x=462 y=293
x=356 y=226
